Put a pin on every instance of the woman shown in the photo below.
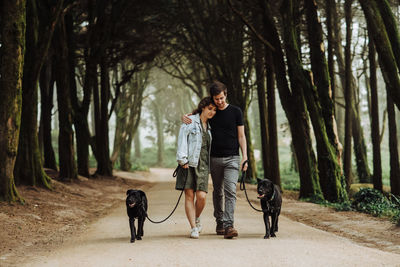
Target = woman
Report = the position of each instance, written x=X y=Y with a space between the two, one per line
x=193 y=155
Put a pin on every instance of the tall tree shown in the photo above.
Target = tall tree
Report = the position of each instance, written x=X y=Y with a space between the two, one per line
x=394 y=152
x=378 y=30
x=375 y=129
x=39 y=32
x=12 y=39
x=66 y=149
x=322 y=111
x=348 y=97
x=293 y=102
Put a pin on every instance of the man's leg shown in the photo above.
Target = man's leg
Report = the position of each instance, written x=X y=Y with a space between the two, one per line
x=231 y=175
x=217 y=176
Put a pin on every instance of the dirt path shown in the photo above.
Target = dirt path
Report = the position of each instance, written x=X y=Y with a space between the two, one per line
x=106 y=242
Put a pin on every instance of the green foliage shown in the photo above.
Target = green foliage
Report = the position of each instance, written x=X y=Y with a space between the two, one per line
x=372 y=201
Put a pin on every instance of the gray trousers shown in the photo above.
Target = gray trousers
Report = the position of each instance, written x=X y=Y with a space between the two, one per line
x=224 y=174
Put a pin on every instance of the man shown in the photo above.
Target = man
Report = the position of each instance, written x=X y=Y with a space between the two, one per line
x=228 y=135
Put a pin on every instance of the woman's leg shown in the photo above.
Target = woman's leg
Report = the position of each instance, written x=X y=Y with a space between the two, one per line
x=200 y=202
x=189 y=207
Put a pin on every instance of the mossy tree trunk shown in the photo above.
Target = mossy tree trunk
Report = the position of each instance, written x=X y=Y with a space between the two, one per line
x=12 y=38
x=39 y=32
x=376 y=27
x=293 y=103
x=320 y=106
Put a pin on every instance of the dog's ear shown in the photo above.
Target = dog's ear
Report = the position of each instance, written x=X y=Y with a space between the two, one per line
x=258 y=180
x=129 y=191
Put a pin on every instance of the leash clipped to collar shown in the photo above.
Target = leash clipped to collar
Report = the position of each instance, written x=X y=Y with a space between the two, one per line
x=243 y=188
x=179 y=199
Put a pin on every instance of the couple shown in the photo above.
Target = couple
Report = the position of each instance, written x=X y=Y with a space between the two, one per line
x=199 y=156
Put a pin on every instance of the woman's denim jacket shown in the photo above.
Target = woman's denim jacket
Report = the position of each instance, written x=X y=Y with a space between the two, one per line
x=189 y=142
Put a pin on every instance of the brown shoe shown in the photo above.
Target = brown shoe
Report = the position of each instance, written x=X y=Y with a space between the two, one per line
x=220 y=229
x=230 y=232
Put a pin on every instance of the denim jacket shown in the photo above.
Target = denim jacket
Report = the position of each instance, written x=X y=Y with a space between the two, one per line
x=189 y=142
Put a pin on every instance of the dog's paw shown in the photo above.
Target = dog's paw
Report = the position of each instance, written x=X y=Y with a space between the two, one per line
x=266 y=237
x=132 y=240
x=273 y=235
x=139 y=238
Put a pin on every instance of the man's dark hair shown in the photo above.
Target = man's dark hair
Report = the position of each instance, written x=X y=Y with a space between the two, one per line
x=217 y=87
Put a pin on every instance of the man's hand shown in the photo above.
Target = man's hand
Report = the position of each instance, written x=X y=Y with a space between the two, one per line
x=244 y=168
x=185 y=118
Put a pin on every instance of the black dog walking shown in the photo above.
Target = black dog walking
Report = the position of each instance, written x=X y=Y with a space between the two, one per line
x=271 y=202
x=136 y=207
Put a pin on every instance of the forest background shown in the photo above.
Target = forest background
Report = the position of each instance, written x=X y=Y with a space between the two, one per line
x=103 y=84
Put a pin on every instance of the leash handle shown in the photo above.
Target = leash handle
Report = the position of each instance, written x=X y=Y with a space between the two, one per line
x=243 y=187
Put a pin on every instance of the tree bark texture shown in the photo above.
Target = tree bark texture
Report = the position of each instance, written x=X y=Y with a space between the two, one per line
x=377 y=29
x=66 y=154
x=394 y=152
x=375 y=129
x=262 y=106
x=39 y=32
x=320 y=107
x=294 y=105
x=274 y=172
x=46 y=82
x=348 y=98
x=12 y=35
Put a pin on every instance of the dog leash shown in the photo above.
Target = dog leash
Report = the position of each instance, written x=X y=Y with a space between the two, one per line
x=177 y=203
x=243 y=188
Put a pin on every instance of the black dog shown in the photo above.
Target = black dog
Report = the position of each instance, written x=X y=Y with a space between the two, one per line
x=271 y=202
x=136 y=206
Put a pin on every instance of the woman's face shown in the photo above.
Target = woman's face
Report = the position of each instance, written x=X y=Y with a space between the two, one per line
x=209 y=111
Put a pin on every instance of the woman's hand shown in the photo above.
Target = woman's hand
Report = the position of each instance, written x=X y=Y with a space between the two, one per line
x=185 y=166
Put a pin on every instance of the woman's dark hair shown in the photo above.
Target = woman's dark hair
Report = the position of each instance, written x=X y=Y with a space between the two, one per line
x=217 y=87
x=205 y=102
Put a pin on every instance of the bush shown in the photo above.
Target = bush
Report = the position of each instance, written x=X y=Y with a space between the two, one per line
x=372 y=201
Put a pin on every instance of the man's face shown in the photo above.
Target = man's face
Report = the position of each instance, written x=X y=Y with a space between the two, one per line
x=220 y=100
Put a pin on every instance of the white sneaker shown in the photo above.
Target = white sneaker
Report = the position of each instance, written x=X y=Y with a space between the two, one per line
x=194 y=233
x=198 y=224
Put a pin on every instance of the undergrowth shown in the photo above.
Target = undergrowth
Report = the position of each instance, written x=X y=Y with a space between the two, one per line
x=370 y=201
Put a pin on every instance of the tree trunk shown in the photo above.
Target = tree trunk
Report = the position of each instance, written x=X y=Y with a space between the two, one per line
x=28 y=167
x=348 y=98
x=274 y=172
x=158 y=119
x=46 y=96
x=357 y=133
x=102 y=142
x=394 y=153
x=383 y=46
x=262 y=106
x=330 y=39
x=66 y=154
x=294 y=105
x=12 y=34
x=375 y=129
x=321 y=107
x=137 y=145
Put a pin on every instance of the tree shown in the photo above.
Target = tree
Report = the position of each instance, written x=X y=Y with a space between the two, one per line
x=28 y=167
x=12 y=38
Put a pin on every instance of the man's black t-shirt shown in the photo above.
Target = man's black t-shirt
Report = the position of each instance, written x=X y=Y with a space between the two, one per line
x=224 y=132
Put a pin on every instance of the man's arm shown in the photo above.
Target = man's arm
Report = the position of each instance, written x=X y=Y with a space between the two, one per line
x=243 y=146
